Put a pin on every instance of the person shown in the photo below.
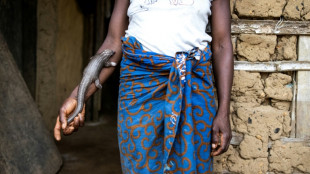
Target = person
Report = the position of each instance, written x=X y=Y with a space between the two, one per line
x=167 y=119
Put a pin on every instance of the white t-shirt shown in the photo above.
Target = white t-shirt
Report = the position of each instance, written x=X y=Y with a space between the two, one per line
x=168 y=26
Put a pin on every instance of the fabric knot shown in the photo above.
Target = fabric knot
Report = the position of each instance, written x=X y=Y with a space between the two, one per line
x=166 y=108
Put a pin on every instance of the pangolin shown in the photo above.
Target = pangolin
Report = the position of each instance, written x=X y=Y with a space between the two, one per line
x=90 y=75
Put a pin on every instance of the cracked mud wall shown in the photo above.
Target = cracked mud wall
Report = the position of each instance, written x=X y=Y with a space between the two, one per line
x=261 y=114
x=269 y=9
x=261 y=102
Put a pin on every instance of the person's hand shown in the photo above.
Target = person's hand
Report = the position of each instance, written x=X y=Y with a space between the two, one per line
x=61 y=122
x=221 y=133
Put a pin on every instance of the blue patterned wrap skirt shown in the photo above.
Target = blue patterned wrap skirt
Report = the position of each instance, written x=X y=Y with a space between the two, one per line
x=165 y=111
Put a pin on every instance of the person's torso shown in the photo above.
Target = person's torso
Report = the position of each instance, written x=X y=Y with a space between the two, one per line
x=168 y=26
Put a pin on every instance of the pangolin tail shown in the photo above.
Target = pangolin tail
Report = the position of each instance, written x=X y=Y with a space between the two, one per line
x=80 y=100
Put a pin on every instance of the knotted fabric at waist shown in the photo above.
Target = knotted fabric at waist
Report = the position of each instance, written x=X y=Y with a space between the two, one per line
x=166 y=108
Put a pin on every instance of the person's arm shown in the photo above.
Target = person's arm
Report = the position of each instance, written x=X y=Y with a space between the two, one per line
x=223 y=73
x=118 y=25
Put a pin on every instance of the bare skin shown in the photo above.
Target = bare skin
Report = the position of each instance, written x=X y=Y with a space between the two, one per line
x=223 y=71
x=117 y=27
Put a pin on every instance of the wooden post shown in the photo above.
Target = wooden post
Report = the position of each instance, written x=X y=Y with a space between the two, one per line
x=25 y=144
x=293 y=108
x=245 y=26
x=276 y=66
x=303 y=91
x=99 y=33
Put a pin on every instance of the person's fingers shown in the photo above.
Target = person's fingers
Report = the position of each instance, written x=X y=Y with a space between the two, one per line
x=81 y=120
x=218 y=147
x=225 y=141
x=215 y=137
x=218 y=151
x=68 y=130
x=76 y=123
x=57 y=130
x=65 y=110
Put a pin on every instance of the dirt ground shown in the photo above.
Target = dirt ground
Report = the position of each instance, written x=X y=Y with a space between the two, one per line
x=93 y=149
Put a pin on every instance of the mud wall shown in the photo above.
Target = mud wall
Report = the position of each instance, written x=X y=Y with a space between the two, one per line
x=261 y=103
x=59 y=54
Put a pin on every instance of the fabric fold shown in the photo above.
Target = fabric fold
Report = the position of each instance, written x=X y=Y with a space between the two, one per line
x=166 y=109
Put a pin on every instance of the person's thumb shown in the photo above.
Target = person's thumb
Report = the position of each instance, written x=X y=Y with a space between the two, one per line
x=63 y=118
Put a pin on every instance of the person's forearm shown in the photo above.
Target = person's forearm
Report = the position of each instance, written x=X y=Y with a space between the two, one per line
x=118 y=25
x=107 y=71
x=104 y=75
x=223 y=71
x=223 y=61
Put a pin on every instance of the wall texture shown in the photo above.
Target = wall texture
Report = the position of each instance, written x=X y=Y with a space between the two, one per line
x=25 y=143
x=59 y=54
x=261 y=102
x=68 y=48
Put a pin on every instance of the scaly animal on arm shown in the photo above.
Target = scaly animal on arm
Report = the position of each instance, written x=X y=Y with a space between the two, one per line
x=90 y=75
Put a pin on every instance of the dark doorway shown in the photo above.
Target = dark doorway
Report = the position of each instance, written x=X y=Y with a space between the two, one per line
x=18 y=24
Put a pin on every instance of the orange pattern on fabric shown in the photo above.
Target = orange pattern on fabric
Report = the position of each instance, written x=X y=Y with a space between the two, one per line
x=166 y=108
